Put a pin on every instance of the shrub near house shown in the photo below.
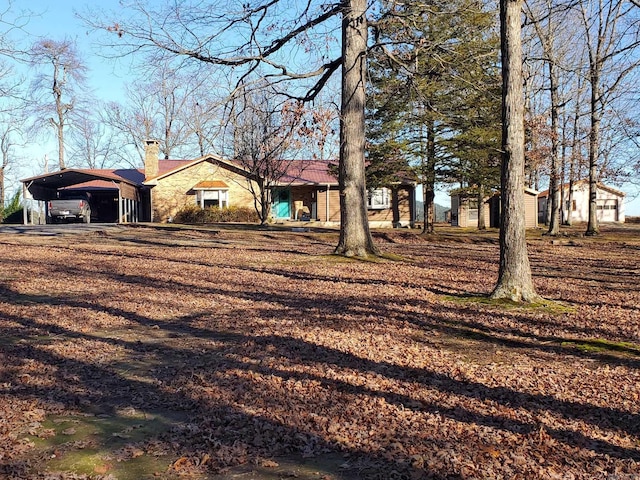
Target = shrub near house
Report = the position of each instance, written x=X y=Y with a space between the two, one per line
x=193 y=214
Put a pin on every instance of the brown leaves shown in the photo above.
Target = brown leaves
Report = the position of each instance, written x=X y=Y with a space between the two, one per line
x=255 y=347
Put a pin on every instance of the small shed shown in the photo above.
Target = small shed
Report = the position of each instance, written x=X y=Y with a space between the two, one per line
x=464 y=210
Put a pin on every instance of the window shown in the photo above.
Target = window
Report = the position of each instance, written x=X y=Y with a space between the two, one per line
x=472 y=204
x=378 y=199
x=607 y=205
x=213 y=198
x=573 y=205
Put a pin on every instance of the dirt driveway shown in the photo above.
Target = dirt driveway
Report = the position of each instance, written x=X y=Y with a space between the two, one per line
x=130 y=353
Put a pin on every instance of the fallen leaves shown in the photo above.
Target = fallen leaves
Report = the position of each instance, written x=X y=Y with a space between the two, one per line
x=269 y=347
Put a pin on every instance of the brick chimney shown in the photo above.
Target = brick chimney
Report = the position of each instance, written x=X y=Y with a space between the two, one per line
x=151 y=152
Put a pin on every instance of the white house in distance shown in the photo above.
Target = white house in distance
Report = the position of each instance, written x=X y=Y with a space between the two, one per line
x=609 y=203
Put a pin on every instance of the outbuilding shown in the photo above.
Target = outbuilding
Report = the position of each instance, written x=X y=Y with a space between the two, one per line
x=609 y=203
x=464 y=209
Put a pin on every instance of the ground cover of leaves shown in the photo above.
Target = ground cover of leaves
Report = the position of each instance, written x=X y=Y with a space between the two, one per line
x=211 y=353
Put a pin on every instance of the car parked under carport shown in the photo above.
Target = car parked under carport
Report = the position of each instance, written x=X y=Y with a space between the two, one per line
x=115 y=195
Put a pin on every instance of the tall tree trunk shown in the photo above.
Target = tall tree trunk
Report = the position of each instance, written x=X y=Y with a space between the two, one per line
x=355 y=236
x=60 y=113
x=481 y=206
x=554 y=187
x=60 y=134
x=547 y=208
x=514 y=279
x=594 y=144
x=570 y=200
x=2 y=193
x=575 y=143
x=429 y=180
x=563 y=174
x=428 y=195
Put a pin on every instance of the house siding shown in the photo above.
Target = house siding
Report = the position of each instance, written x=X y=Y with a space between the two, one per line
x=332 y=213
x=400 y=213
x=460 y=212
x=531 y=210
x=604 y=195
x=174 y=192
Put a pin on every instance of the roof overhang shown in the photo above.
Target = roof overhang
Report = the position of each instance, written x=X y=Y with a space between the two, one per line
x=44 y=187
x=211 y=185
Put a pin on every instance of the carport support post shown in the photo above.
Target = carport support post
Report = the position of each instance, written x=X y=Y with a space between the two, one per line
x=119 y=205
x=25 y=215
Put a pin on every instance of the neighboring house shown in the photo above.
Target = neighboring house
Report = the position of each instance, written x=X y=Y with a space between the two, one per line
x=464 y=210
x=609 y=203
x=308 y=191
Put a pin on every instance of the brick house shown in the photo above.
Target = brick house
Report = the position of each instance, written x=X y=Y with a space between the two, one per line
x=308 y=191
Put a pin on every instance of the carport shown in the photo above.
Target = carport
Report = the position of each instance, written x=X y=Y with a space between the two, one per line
x=117 y=195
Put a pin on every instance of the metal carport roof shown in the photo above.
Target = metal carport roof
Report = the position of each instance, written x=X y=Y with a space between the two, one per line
x=44 y=187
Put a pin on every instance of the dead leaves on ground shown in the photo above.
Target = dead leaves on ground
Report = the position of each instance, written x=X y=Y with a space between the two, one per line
x=267 y=348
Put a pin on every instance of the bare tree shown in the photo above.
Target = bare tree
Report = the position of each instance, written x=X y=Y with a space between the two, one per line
x=93 y=145
x=514 y=279
x=575 y=133
x=132 y=123
x=320 y=128
x=11 y=125
x=264 y=131
x=64 y=80
x=171 y=94
x=177 y=110
x=8 y=132
x=12 y=20
x=547 y=19
x=611 y=38
x=205 y=122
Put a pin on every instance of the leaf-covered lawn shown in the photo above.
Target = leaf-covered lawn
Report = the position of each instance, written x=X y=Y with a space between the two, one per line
x=141 y=351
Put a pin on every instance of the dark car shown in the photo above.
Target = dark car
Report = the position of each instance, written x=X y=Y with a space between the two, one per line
x=76 y=208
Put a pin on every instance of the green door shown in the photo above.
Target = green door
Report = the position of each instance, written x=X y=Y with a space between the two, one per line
x=282 y=203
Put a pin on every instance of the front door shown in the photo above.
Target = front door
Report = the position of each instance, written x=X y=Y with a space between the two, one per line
x=282 y=203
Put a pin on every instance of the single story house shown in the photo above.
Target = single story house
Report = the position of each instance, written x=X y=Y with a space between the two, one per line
x=307 y=191
x=609 y=203
x=464 y=209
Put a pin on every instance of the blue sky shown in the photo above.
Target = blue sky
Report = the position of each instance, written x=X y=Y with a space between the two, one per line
x=55 y=19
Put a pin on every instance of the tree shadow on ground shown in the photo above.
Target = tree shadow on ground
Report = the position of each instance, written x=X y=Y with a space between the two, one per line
x=246 y=391
x=101 y=386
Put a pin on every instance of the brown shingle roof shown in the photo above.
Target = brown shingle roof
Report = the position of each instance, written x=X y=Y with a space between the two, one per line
x=165 y=166
x=210 y=185
x=309 y=172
